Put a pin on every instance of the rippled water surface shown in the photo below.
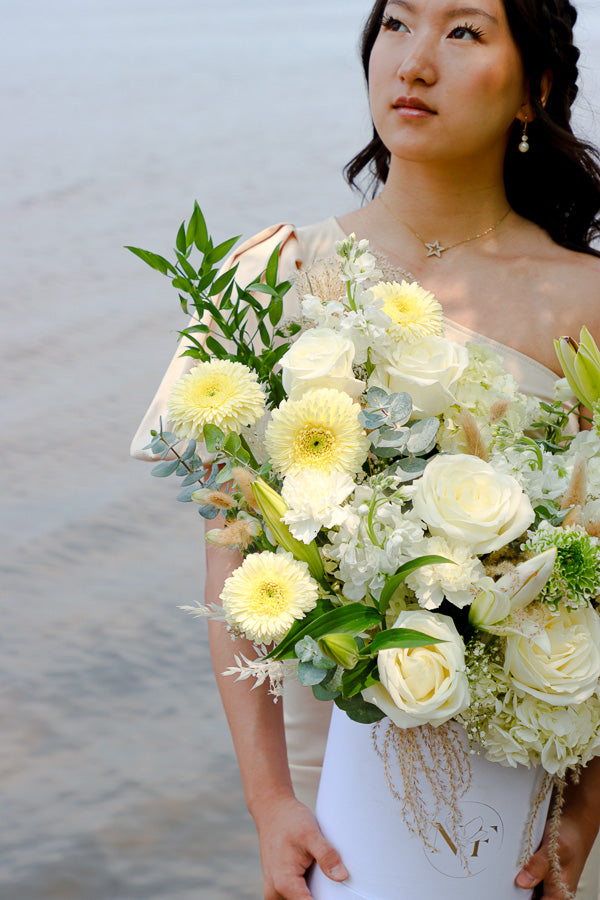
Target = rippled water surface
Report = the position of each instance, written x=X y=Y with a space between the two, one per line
x=117 y=773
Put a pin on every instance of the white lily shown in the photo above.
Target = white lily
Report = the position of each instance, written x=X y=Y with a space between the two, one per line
x=499 y=609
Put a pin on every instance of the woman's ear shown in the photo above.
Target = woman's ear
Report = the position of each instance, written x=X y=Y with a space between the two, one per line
x=526 y=111
x=546 y=86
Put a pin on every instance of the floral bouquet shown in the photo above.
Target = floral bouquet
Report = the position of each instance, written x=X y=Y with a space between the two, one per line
x=420 y=539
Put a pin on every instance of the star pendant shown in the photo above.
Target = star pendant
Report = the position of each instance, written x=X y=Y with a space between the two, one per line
x=434 y=249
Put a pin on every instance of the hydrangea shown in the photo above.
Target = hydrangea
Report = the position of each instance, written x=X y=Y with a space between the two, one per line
x=483 y=386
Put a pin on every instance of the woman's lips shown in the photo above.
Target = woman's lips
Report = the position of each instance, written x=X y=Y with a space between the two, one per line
x=412 y=108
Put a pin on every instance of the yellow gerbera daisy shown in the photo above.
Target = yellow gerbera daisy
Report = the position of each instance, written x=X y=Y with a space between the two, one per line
x=318 y=431
x=219 y=392
x=267 y=594
x=415 y=313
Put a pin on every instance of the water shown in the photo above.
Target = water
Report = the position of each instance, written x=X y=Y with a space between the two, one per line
x=118 y=777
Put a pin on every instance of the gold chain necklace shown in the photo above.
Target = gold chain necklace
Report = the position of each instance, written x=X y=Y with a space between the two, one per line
x=434 y=248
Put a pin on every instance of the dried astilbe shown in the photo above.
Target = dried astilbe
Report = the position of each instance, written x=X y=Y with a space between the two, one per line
x=425 y=759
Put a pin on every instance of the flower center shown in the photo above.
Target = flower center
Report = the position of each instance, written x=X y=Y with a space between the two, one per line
x=270 y=598
x=401 y=310
x=211 y=391
x=314 y=446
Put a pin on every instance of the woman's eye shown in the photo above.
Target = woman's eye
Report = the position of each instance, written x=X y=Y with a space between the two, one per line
x=467 y=32
x=389 y=23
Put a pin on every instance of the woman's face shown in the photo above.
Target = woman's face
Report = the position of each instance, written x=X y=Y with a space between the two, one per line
x=446 y=80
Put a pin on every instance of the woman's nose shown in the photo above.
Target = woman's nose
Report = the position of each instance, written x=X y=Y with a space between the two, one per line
x=418 y=64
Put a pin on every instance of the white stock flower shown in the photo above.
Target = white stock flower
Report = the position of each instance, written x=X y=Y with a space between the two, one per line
x=315 y=501
x=323 y=314
x=320 y=358
x=356 y=263
x=570 y=672
x=428 y=370
x=466 y=500
x=422 y=685
x=459 y=581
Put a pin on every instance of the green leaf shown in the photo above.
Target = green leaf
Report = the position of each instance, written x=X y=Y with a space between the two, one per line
x=275 y=310
x=163 y=469
x=193 y=478
x=217 y=254
x=197 y=230
x=216 y=348
x=187 y=267
x=359 y=710
x=153 y=260
x=182 y=284
x=350 y=619
x=400 y=637
x=272 y=266
x=393 y=583
x=213 y=438
x=181 y=241
x=189 y=451
x=361 y=676
x=422 y=436
x=223 y=281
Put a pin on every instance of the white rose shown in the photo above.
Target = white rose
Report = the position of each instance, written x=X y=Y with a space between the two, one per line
x=571 y=672
x=422 y=685
x=428 y=370
x=466 y=500
x=320 y=358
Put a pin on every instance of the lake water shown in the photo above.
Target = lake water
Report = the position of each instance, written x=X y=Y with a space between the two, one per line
x=118 y=778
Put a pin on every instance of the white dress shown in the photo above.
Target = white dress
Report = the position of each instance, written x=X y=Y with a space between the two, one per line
x=306 y=719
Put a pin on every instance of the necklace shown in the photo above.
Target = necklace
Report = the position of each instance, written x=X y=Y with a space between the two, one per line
x=434 y=248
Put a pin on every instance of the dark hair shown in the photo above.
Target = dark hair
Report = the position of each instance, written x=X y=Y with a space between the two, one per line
x=556 y=184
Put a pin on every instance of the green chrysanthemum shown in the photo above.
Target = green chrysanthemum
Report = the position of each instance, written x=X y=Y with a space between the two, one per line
x=575 y=579
x=219 y=392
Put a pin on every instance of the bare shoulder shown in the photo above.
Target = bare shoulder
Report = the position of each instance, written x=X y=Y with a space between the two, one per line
x=576 y=288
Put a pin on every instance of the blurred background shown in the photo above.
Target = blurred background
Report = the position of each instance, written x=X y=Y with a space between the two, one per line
x=117 y=774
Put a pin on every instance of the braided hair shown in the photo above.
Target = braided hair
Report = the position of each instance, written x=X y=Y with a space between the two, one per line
x=557 y=184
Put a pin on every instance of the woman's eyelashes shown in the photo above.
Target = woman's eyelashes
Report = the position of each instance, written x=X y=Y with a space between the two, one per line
x=389 y=23
x=459 y=32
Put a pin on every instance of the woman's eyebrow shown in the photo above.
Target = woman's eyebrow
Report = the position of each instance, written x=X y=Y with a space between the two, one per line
x=450 y=13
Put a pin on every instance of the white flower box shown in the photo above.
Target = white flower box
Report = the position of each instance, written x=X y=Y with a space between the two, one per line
x=360 y=816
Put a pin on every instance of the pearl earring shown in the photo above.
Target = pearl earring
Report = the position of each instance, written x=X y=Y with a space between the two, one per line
x=524 y=145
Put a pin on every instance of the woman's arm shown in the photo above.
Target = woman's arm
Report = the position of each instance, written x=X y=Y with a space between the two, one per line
x=579 y=824
x=289 y=836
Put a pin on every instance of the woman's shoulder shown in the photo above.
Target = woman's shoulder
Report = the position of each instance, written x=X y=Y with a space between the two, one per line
x=575 y=278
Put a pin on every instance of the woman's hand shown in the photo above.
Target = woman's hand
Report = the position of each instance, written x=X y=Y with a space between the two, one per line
x=575 y=840
x=290 y=841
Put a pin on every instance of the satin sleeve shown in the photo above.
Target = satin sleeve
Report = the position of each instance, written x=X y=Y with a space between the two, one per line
x=251 y=258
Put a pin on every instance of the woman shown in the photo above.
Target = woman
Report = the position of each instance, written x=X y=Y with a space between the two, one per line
x=490 y=202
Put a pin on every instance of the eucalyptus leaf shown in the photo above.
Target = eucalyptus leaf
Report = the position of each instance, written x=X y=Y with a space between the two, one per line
x=309 y=674
x=189 y=450
x=208 y=512
x=163 y=469
x=422 y=436
x=185 y=496
x=408 y=469
x=359 y=710
x=400 y=408
x=372 y=419
x=193 y=478
x=377 y=396
x=213 y=437
x=321 y=692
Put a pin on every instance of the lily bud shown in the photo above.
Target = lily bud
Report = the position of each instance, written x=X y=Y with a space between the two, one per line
x=273 y=507
x=513 y=591
x=341 y=648
x=581 y=365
